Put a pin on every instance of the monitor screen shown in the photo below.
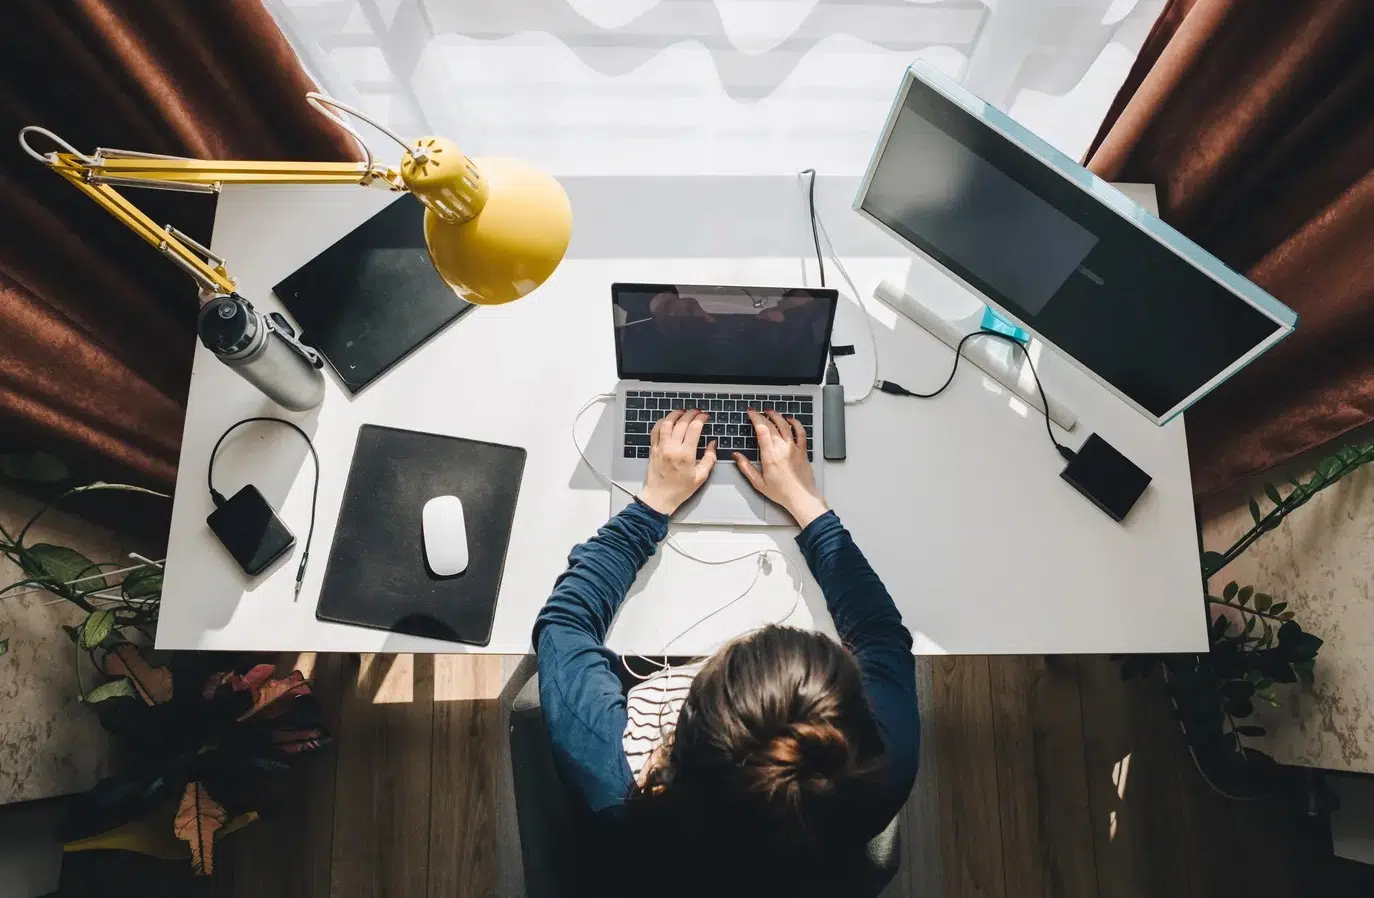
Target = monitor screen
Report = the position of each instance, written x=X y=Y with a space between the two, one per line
x=1088 y=280
x=694 y=334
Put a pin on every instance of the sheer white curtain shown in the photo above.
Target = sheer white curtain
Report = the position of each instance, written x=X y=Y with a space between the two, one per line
x=706 y=87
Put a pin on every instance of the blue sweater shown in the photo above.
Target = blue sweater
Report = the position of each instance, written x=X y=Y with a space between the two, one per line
x=580 y=692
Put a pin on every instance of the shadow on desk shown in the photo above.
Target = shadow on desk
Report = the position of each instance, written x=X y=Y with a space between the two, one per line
x=272 y=459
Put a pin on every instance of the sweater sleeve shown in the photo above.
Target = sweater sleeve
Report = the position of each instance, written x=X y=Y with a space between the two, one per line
x=579 y=691
x=870 y=625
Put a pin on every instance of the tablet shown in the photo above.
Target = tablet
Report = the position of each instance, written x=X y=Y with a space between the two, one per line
x=372 y=298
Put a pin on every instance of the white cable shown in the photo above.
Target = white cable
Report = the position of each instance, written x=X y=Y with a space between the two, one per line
x=760 y=554
x=96 y=576
x=147 y=561
x=858 y=299
x=49 y=158
x=319 y=101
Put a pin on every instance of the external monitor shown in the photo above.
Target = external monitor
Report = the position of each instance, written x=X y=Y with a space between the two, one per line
x=1147 y=312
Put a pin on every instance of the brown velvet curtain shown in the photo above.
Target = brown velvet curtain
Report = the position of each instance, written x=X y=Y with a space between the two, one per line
x=1255 y=120
x=97 y=328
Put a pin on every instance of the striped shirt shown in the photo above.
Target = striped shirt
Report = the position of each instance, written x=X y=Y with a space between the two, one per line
x=652 y=709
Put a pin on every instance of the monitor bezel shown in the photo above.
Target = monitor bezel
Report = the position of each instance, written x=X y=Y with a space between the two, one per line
x=1285 y=320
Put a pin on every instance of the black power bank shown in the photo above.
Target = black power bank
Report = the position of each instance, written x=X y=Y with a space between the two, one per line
x=251 y=530
x=1110 y=480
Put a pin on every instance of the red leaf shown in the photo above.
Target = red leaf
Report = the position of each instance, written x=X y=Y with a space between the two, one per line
x=296 y=741
x=260 y=674
x=272 y=691
x=154 y=684
x=197 y=819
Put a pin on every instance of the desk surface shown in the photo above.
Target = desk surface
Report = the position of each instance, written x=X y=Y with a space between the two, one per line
x=957 y=502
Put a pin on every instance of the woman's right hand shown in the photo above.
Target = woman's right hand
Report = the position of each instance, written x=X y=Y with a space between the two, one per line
x=786 y=477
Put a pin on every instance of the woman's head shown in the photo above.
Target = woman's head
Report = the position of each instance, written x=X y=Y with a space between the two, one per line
x=775 y=738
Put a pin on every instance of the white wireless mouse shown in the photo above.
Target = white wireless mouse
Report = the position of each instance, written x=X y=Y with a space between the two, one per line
x=446 y=536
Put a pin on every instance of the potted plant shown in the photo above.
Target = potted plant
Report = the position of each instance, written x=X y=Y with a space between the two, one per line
x=1257 y=647
x=200 y=738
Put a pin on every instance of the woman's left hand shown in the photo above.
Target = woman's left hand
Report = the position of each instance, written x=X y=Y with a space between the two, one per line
x=675 y=472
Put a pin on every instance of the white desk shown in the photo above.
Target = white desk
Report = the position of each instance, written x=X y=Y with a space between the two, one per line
x=957 y=502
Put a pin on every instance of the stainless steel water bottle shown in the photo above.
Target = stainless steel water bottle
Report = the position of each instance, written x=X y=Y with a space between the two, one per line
x=264 y=350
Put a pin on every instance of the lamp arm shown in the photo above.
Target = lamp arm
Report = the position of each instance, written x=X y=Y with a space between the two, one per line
x=522 y=241
x=97 y=176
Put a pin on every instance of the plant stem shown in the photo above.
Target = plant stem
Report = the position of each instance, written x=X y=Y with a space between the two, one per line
x=76 y=668
x=1240 y=746
x=1246 y=609
x=1292 y=502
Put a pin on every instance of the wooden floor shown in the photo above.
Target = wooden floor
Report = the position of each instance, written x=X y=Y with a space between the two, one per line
x=1043 y=777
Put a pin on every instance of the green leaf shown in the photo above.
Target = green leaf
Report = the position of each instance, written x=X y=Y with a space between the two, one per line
x=1268 y=638
x=1230 y=591
x=1250 y=623
x=1241 y=707
x=1273 y=493
x=1250 y=730
x=112 y=689
x=37 y=467
x=143 y=583
x=1278 y=607
x=97 y=626
x=1328 y=466
x=4 y=645
x=1305 y=647
x=1245 y=593
x=1211 y=563
x=1255 y=511
x=61 y=565
x=1263 y=602
x=1287 y=615
x=1236 y=690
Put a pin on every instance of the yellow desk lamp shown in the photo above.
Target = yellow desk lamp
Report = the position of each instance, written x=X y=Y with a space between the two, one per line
x=495 y=229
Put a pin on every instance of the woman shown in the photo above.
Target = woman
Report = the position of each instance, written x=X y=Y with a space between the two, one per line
x=768 y=768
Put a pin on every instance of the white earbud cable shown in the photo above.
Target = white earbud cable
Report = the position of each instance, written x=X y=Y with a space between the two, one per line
x=760 y=554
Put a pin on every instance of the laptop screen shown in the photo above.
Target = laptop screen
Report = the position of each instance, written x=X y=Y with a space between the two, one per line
x=747 y=335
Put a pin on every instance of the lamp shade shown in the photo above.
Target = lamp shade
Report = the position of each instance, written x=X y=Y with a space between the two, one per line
x=495 y=228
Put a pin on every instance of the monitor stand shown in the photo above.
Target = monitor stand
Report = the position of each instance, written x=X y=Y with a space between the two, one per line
x=995 y=358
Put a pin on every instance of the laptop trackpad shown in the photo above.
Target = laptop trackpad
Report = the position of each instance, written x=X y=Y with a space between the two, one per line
x=727 y=498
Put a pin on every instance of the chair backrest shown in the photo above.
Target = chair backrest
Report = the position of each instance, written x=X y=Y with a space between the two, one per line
x=542 y=811
x=541 y=804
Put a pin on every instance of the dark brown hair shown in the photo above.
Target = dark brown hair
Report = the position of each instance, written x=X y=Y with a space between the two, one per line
x=774 y=748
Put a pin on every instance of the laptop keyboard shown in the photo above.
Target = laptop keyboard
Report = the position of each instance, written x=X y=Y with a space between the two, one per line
x=729 y=425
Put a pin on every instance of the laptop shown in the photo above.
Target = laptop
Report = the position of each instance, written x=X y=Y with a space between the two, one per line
x=723 y=350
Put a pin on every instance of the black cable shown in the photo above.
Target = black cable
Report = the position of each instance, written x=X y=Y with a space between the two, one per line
x=815 y=234
x=218 y=498
x=896 y=389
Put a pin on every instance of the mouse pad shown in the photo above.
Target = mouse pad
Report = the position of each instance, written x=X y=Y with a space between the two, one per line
x=372 y=298
x=376 y=574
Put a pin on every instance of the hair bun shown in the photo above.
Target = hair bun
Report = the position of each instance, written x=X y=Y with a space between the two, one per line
x=807 y=756
x=824 y=750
